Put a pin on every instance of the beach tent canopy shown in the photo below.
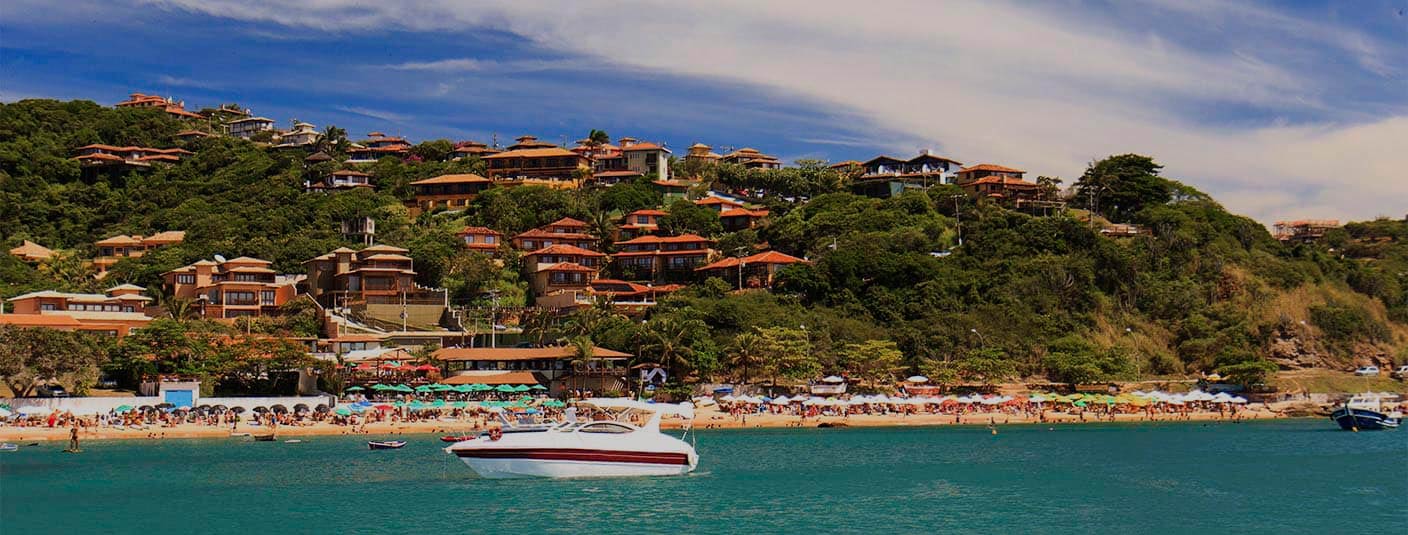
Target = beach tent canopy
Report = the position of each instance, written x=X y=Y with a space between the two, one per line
x=342 y=411
x=538 y=387
x=504 y=388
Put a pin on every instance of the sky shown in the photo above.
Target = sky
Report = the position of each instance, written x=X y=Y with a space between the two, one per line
x=1280 y=110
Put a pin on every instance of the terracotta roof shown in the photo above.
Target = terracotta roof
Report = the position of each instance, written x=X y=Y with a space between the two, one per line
x=479 y=230
x=567 y=222
x=990 y=167
x=565 y=249
x=846 y=163
x=383 y=249
x=39 y=320
x=185 y=133
x=532 y=153
x=29 y=249
x=247 y=260
x=649 y=211
x=716 y=200
x=540 y=233
x=121 y=239
x=518 y=353
x=644 y=145
x=467 y=178
x=766 y=257
x=387 y=256
x=170 y=236
x=670 y=183
x=349 y=172
x=684 y=238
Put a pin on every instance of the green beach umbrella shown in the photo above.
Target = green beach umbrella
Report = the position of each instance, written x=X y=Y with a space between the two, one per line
x=1080 y=403
x=459 y=405
x=123 y=408
x=463 y=389
x=520 y=388
x=404 y=388
x=441 y=387
x=504 y=388
x=538 y=387
x=424 y=388
x=356 y=389
x=378 y=387
x=342 y=411
x=481 y=387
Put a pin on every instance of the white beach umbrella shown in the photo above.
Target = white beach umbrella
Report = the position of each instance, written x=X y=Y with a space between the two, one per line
x=1037 y=398
x=833 y=379
x=1238 y=400
x=1221 y=397
x=728 y=398
x=812 y=402
x=880 y=398
x=994 y=400
x=781 y=400
x=917 y=379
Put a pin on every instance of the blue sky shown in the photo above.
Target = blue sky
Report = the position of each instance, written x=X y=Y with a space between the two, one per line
x=1281 y=110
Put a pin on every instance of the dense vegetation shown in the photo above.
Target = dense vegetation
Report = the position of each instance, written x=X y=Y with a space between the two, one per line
x=930 y=281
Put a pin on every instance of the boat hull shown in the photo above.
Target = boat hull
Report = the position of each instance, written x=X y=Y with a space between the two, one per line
x=1363 y=420
x=563 y=463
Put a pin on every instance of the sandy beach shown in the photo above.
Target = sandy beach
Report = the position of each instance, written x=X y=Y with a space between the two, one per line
x=705 y=418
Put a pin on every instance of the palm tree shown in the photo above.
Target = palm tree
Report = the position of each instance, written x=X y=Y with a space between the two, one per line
x=536 y=323
x=597 y=138
x=745 y=353
x=180 y=309
x=583 y=352
x=601 y=226
x=586 y=321
x=668 y=340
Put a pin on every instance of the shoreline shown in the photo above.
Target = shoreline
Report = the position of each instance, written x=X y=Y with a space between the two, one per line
x=706 y=420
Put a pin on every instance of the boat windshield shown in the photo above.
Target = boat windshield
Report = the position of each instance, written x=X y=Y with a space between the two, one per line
x=606 y=428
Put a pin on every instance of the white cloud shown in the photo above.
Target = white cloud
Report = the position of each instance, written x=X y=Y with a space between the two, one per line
x=375 y=114
x=444 y=65
x=173 y=81
x=1047 y=87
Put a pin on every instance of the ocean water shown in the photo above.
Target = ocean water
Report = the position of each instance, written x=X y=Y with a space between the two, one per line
x=1300 y=476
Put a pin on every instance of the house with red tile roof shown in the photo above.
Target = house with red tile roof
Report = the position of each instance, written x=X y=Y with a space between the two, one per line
x=661 y=258
x=736 y=219
x=481 y=239
x=168 y=105
x=999 y=183
x=29 y=251
x=472 y=149
x=376 y=283
x=451 y=192
x=131 y=157
x=719 y=204
x=226 y=289
x=750 y=158
x=639 y=223
x=756 y=271
x=550 y=166
x=376 y=146
x=561 y=267
x=563 y=231
x=114 y=312
x=248 y=127
x=113 y=249
x=624 y=297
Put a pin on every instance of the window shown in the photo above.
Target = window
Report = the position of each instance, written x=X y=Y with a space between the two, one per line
x=488 y=239
x=246 y=277
x=48 y=306
x=239 y=298
x=606 y=427
x=266 y=297
x=185 y=279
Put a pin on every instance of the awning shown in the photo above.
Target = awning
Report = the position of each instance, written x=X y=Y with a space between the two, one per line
x=505 y=378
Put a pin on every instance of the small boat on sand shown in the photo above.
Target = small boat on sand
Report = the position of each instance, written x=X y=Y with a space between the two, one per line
x=386 y=444
x=9 y=447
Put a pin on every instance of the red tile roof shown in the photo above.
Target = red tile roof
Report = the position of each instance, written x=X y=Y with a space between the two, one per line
x=567 y=222
x=990 y=167
x=564 y=249
x=479 y=230
x=467 y=178
x=568 y=266
x=532 y=153
x=648 y=211
x=766 y=257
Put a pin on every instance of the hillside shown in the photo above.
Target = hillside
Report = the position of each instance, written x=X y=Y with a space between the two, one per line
x=1021 y=296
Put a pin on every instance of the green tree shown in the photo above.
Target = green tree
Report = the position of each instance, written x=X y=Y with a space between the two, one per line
x=29 y=356
x=688 y=218
x=873 y=361
x=745 y=355
x=1120 y=186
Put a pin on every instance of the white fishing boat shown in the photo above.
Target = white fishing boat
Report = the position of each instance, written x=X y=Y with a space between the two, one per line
x=579 y=448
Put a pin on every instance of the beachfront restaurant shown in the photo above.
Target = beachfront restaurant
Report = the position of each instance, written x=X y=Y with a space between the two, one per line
x=552 y=367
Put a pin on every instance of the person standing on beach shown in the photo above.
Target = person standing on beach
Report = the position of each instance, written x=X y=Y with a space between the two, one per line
x=73 y=438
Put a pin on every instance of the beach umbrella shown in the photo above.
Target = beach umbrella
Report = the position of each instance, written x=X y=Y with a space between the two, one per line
x=164 y=405
x=342 y=411
x=355 y=389
x=300 y=407
x=404 y=388
x=780 y=400
x=439 y=403
x=237 y=410
x=356 y=408
x=258 y=410
x=405 y=368
x=504 y=388
x=4 y=412
x=426 y=368
x=278 y=409
x=538 y=387
x=379 y=387
x=321 y=408
x=833 y=379
x=918 y=379
x=388 y=366
x=122 y=408
x=424 y=388
x=481 y=387
x=1079 y=403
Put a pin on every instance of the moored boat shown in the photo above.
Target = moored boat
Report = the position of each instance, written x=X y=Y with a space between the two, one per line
x=573 y=448
x=9 y=447
x=264 y=438
x=386 y=444
x=1364 y=412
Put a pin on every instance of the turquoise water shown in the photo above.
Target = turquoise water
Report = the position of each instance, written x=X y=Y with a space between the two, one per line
x=1288 y=476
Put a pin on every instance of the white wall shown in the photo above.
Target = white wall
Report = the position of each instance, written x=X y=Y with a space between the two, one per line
x=82 y=406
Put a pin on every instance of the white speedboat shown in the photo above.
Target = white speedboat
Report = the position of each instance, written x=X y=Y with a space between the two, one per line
x=586 y=448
